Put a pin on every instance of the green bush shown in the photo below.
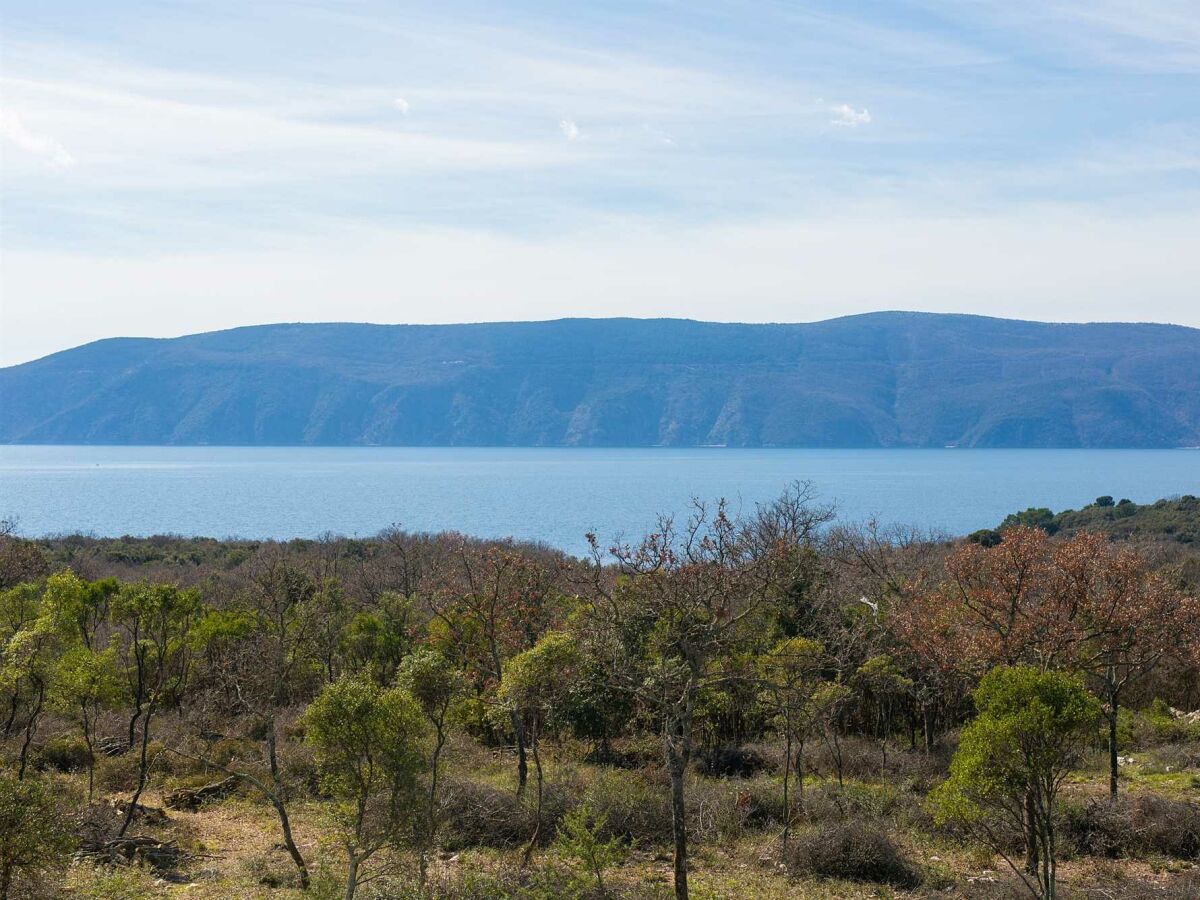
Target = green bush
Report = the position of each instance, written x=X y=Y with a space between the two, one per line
x=65 y=753
x=226 y=750
x=579 y=839
x=116 y=773
x=1161 y=727
x=34 y=839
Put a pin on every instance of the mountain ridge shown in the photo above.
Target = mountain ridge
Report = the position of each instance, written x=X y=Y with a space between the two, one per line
x=887 y=379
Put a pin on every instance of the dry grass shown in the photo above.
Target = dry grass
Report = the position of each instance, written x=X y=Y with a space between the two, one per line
x=236 y=851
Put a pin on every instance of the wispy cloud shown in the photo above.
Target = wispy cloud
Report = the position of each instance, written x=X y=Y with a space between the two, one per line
x=13 y=130
x=847 y=116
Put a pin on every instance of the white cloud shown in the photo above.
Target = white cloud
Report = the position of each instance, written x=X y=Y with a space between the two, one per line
x=13 y=130
x=402 y=106
x=849 y=117
x=207 y=134
x=569 y=129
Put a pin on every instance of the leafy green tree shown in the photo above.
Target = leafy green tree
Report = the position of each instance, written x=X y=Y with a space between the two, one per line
x=34 y=838
x=86 y=683
x=536 y=684
x=883 y=687
x=377 y=640
x=155 y=620
x=1031 y=730
x=827 y=707
x=432 y=680
x=791 y=674
x=28 y=664
x=1034 y=517
x=18 y=608
x=367 y=742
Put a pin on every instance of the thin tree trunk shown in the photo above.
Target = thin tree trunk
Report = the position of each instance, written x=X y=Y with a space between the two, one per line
x=537 y=827
x=1031 y=835
x=787 y=799
x=1113 y=700
x=800 y=773
x=522 y=763
x=141 y=785
x=285 y=824
x=13 y=706
x=431 y=811
x=133 y=720
x=679 y=826
x=91 y=762
x=30 y=730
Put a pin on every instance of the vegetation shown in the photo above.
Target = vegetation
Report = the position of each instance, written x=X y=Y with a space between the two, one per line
x=761 y=706
x=1030 y=733
x=1176 y=519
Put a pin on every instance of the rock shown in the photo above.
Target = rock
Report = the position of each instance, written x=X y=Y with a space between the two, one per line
x=151 y=815
x=191 y=799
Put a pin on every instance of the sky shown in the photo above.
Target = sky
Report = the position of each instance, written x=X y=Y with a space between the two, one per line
x=173 y=167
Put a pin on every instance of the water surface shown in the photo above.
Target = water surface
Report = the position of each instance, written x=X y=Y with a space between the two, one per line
x=554 y=495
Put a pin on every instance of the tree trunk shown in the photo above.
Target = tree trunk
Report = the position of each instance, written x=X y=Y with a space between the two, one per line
x=679 y=825
x=31 y=730
x=285 y=824
x=133 y=720
x=800 y=773
x=1113 y=700
x=91 y=761
x=431 y=810
x=1031 y=835
x=13 y=706
x=787 y=799
x=351 y=873
x=537 y=826
x=142 y=763
x=522 y=763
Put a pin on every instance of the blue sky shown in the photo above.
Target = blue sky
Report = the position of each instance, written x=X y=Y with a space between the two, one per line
x=184 y=166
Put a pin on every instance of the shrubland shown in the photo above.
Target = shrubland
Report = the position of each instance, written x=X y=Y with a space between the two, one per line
x=767 y=705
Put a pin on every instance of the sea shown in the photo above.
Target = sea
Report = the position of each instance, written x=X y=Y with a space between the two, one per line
x=552 y=495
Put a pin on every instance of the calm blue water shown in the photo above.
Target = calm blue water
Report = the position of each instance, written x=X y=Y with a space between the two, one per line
x=555 y=495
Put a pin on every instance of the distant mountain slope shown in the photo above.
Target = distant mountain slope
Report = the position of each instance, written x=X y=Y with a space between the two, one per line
x=878 y=380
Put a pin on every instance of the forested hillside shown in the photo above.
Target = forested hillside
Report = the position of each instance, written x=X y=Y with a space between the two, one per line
x=879 y=380
x=1174 y=520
